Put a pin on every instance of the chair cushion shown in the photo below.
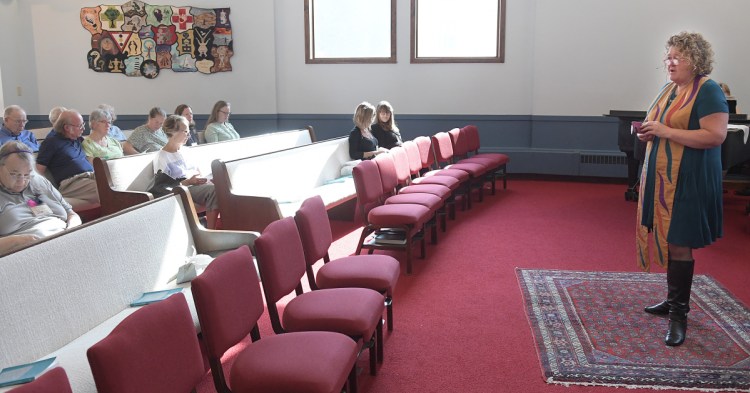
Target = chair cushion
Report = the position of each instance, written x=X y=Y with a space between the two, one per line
x=377 y=272
x=351 y=311
x=462 y=176
x=472 y=168
x=448 y=181
x=499 y=158
x=399 y=215
x=295 y=362
x=435 y=189
x=430 y=201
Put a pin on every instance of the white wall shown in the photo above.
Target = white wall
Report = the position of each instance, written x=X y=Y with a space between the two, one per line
x=575 y=57
x=50 y=64
x=592 y=56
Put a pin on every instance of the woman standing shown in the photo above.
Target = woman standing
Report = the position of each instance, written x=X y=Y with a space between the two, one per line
x=681 y=191
x=218 y=127
x=99 y=143
x=362 y=144
x=175 y=162
x=385 y=128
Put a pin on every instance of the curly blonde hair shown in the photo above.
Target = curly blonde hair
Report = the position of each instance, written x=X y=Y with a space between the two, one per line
x=696 y=49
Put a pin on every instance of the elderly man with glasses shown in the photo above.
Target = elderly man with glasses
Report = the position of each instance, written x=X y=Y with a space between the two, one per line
x=30 y=207
x=13 y=129
x=62 y=154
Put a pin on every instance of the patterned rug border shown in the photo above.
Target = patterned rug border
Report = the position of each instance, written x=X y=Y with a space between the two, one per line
x=701 y=376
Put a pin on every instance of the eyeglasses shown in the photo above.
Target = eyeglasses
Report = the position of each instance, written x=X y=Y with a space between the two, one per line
x=80 y=126
x=19 y=121
x=674 y=60
x=18 y=176
x=226 y=112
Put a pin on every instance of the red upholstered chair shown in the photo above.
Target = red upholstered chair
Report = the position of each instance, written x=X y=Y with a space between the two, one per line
x=229 y=303
x=377 y=272
x=389 y=179
x=355 y=312
x=410 y=218
x=427 y=159
x=433 y=184
x=461 y=155
x=460 y=178
x=155 y=349
x=471 y=133
x=52 y=381
x=443 y=148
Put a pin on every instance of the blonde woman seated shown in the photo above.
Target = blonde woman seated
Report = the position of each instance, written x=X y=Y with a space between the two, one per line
x=176 y=162
x=218 y=127
x=30 y=206
x=99 y=143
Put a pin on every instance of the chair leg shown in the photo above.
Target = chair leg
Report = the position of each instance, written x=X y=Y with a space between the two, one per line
x=353 y=380
x=423 y=249
x=389 y=312
x=373 y=354
x=408 y=253
x=365 y=232
x=379 y=333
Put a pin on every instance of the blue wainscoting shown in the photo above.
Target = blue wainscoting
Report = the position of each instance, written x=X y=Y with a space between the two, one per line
x=547 y=145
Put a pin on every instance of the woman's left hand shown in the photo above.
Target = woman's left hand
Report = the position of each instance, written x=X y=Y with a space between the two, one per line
x=652 y=129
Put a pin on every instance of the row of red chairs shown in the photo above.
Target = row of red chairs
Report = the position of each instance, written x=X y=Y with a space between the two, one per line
x=416 y=185
x=319 y=335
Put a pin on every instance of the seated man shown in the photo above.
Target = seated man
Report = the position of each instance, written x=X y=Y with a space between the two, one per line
x=14 y=120
x=30 y=207
x=62 y=153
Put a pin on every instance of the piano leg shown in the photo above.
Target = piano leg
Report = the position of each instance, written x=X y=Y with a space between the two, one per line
x=633 y=178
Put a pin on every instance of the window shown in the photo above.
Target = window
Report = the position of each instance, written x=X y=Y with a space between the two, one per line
x=450 y=31
x=350 y=31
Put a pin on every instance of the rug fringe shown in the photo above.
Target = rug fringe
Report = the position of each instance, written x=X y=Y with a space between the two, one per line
x=655 y=387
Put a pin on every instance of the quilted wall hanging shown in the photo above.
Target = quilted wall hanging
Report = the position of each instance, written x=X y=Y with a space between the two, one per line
x=139 y=39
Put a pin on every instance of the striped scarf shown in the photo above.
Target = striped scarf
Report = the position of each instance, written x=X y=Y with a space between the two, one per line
x=673 y=110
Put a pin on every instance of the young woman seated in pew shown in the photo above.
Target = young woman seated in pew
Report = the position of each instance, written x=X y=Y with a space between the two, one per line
x=30 y=206
x=176 y=162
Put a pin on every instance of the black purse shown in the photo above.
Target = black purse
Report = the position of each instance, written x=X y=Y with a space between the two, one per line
x=162 y=184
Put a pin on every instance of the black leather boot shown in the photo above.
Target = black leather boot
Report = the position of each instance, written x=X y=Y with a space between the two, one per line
x=680 y=282
x=658 y=309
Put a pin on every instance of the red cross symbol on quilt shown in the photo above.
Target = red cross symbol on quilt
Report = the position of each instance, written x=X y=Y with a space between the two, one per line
x=182 y=19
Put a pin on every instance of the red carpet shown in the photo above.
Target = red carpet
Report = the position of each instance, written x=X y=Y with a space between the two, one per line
x=460 y=324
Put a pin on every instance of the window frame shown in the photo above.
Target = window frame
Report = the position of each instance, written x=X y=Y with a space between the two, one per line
x=310 y=47
x=500 y=58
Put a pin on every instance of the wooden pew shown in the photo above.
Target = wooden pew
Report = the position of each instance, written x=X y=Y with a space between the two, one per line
x=255 y=191
x=122 y=182
x=68 y=291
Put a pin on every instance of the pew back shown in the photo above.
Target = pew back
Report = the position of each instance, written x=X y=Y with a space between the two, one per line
x=122 y=182
x=254 y=191
x=56 y=291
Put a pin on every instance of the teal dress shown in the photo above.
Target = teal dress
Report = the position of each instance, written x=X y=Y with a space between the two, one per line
x=697 y=216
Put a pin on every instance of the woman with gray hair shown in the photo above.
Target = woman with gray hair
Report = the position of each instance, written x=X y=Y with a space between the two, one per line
x=99 y=143
x=681 y=183
x=30 y=206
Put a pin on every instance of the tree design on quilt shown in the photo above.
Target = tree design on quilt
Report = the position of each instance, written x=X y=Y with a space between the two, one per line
x=139 y=39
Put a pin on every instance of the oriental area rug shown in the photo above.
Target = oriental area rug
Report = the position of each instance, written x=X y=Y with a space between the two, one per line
x=590 y=329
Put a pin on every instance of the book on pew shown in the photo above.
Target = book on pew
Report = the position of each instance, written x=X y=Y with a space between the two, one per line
x=25 y=373
x=153 y=297
x=390 y=236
